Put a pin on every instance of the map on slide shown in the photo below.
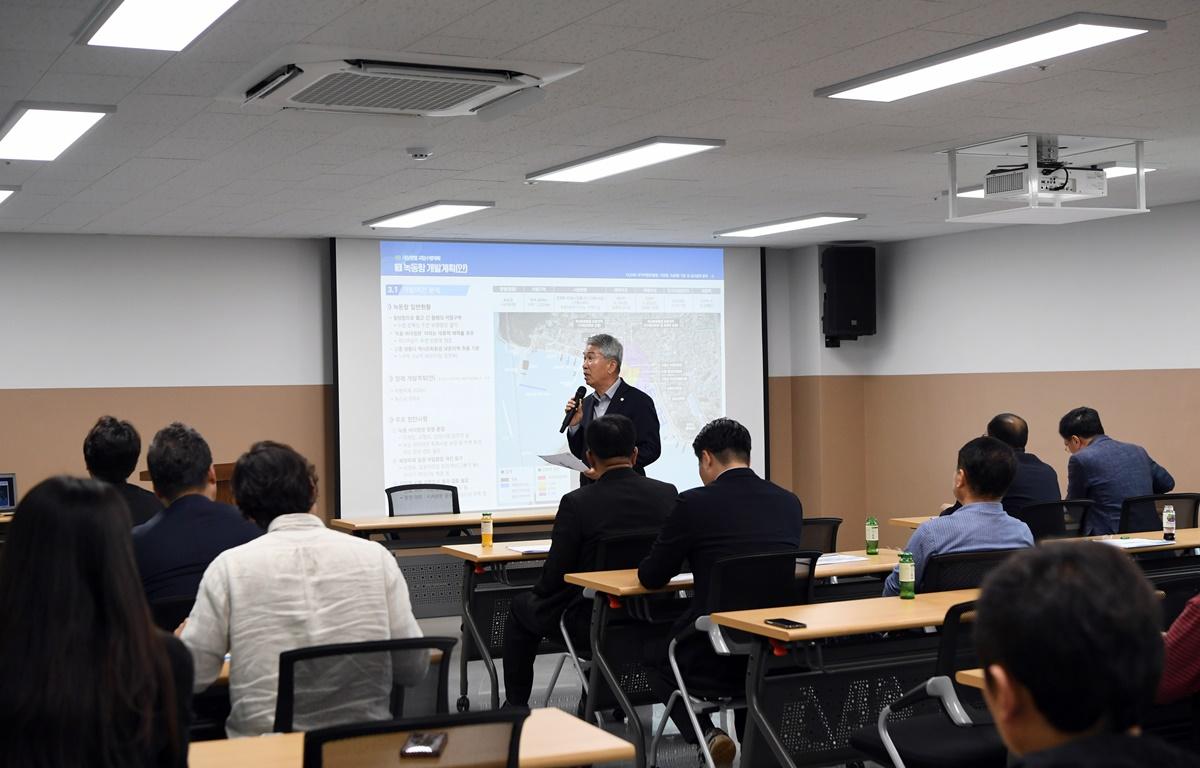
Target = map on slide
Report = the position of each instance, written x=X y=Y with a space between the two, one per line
x=539 y=359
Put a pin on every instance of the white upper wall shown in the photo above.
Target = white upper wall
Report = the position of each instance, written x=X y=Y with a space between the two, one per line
x=1116 y=294
x=104 y=311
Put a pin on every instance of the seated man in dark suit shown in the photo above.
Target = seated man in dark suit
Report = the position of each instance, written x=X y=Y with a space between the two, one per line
x=111 y=451
x=175 y=546
x=1108 y=472
x=620 y=501
x=1035 y=481
x=735 y=513
x=985 y=468
x=1067 y=635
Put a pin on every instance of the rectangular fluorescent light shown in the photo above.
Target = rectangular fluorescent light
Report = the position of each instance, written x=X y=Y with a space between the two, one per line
x=1048 y=40
x=6 y=192
x=657 y=149
x=975 y=192
x=44 y=131
x=1115 y=169
x=788 y=225
x=427 y=214
x=158 y=25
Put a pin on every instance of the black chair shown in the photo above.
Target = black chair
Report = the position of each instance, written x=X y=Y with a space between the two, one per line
x=954 y=736
x=820 y=534
x=746 y=582
x=1144 y=513
x=1075 y=515
x=421 y=499
x=960 y=570
x=169 y=612
x=490 y=738
x=327 y=685
x=1177 y=591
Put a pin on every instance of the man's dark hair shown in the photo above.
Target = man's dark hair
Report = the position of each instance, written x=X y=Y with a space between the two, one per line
x=111 y=449
x=178 y=460
x=1010 y=429
x=1077 y=624
x=989 y=466
x=1083 y=421
x=611 y=436
x=272 y=479
x=725 y=439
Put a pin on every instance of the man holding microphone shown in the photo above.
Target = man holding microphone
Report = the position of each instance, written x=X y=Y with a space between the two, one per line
x=611 y=395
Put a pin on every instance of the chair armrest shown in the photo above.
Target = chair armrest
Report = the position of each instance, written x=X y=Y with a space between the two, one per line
x=721 y=643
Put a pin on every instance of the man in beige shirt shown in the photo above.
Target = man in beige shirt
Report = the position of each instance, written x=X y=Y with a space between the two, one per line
x=297 y=586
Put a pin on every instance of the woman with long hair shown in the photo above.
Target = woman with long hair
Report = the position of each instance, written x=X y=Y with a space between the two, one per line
x=85 y=676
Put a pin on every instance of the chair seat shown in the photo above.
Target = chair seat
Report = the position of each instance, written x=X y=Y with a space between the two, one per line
x=932 y=741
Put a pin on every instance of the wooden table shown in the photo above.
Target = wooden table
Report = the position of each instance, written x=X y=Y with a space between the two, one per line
x=972 y=678
x=909 y=522
x=365 y=526
x=1185 y=538
x=550 y=738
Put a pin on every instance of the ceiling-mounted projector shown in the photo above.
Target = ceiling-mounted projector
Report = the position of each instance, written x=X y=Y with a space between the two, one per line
x=1055 y=182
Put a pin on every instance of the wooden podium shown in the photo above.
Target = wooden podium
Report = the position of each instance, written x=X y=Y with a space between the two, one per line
x=224 y=481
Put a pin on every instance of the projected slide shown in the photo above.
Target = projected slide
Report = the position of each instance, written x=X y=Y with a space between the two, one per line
x=483 y=343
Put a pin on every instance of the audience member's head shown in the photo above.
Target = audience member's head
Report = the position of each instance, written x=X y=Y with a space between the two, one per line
x=111 y=450
x=272 y=479
x=986 y=468
x=611 y=441
x=720 y=445
x=1068 y=636
x=180 y=462
x=1079 y=427
x=1010 y=429
x=83 y=666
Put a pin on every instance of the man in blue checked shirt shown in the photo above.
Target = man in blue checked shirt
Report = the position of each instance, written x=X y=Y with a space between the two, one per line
x=986 y=467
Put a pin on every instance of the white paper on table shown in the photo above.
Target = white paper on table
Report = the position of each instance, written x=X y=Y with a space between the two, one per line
x=835 y=558
x=532 y=549
x=683 y=578
x=1134 y=543
x=566 y=460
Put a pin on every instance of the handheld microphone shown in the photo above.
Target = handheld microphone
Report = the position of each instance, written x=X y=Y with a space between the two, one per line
x=579 y=394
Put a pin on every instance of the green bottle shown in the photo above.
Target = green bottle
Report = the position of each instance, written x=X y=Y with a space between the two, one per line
x=908 y=576
x=872 y=536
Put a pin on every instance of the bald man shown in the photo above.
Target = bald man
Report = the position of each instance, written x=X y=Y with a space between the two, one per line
x=1035 y=481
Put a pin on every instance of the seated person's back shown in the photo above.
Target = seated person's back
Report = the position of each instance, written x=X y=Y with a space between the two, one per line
x=298 y=586
x=985 y=469
x=175 y=546
x=1034 y=482
x=111 y=451
x=1071 y=665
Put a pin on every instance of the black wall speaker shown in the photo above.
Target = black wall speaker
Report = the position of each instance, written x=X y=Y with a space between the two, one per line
x=848 y=308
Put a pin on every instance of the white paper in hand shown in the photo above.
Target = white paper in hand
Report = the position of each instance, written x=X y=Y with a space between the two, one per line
x=683 y=578
x=566 y=460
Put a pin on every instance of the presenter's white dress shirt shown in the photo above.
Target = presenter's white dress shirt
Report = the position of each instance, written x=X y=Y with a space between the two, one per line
x=300 y=585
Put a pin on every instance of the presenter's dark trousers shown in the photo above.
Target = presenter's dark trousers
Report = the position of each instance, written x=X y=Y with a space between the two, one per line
x=704 y=672
x=523 y=634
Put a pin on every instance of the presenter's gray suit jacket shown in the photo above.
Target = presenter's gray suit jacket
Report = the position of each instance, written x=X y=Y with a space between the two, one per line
x=1108 y=471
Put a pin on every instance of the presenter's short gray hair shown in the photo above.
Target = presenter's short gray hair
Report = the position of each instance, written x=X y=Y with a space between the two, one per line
x=607 y=346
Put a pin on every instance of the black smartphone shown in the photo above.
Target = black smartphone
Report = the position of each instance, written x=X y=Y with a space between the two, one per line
x=424 y=745
x=786 y=623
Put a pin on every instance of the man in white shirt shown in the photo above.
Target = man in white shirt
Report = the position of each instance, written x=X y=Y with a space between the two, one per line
x=297 y=586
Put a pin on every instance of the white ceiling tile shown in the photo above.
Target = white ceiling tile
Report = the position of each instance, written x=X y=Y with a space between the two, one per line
x=581 y=43
x=393 y=25
x=182 y=76
x=522 y=21
x=82 y=89
x=664 y=15
x=719 y=34
x=447 y=45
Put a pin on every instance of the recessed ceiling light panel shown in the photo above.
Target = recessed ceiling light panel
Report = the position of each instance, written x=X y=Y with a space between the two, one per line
x=1115 y=169
x=158 y=25
x=44 y=131
x=657 y=149
x=427 y=214
x=789 y=225
x=1049 y=40
x=7 y=192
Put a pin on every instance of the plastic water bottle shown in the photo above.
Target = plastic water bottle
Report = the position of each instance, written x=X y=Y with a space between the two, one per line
x=908 y=576
x=1169 y=523
x=872 y=536
x=485 y=529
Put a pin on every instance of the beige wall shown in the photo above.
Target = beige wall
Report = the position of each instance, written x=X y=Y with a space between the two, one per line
x=849 y=444
x=44 y=428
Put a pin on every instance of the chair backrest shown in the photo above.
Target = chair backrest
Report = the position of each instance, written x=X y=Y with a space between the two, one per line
x=1144 y=513
x=378 y=680
x=1177 y=591
x=951 y=630
x=960 y=570
x=488 y=739
x=422 y=499
x=820 y=533
x=1046 y=520
x=169 y=612
x=1075 y=514
x=624 y=550
x=765 y=580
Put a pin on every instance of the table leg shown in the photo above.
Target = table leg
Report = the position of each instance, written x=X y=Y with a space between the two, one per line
x=600 y=667
x=756 y=723
x=471 y=634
